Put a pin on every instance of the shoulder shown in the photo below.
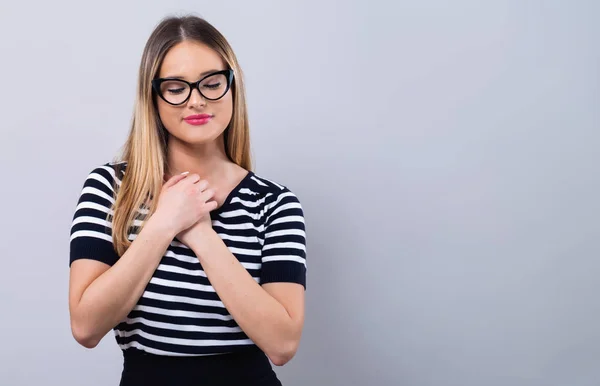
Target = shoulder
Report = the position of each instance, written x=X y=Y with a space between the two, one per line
x=107 y=176
x=277 y=198
x=91 y=229
x=268 y=188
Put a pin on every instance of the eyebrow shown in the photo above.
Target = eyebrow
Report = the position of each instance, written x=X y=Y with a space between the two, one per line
x=201 y=74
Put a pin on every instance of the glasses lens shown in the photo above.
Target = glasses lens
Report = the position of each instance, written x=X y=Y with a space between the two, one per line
x=214 y=87
x=174 y=91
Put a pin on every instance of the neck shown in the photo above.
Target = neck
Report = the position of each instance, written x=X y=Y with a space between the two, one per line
x=209 y=161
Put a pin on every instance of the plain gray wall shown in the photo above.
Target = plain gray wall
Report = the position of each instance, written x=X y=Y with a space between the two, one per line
x=446 y=154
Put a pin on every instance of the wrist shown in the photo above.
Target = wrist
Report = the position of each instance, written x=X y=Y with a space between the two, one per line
x=203 y=233
x=159 y=227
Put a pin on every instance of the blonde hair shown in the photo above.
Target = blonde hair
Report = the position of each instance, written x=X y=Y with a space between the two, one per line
x=146 y=146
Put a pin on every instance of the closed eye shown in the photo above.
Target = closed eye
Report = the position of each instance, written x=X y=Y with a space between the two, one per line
x=212 y=86
x=176 y=91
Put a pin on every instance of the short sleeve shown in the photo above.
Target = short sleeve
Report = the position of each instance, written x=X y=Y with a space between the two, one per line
x=91 y=232
x=284 y=247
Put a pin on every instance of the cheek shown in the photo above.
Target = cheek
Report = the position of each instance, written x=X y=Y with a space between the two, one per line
x=166 y=115
x=226 y=110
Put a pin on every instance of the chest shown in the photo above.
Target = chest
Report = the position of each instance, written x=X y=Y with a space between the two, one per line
x=180 y=266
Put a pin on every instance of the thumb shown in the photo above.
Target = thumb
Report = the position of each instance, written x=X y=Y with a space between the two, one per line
x=175 y=179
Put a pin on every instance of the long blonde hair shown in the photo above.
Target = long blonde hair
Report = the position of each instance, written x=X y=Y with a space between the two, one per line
x=146 y=147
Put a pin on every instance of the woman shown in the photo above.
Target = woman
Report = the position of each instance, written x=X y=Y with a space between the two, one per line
x=195 y=262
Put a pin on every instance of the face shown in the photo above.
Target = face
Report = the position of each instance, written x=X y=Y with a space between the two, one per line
x=199 y=120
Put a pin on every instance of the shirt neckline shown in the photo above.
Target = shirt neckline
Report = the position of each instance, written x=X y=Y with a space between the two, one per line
x=233 y=192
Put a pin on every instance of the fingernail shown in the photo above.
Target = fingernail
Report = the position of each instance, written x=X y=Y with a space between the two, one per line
x=184 y=173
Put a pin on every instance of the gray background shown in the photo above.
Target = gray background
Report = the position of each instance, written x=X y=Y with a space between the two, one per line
x=446 y=154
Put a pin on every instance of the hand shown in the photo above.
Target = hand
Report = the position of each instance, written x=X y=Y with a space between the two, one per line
x=184 y=201
x=195 y=232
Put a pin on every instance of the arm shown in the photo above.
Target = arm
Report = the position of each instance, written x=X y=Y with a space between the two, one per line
x=272 y=315
x=101 y=296
x=103 y=287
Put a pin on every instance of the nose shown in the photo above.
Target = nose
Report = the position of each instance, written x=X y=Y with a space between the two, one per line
x=196 y=100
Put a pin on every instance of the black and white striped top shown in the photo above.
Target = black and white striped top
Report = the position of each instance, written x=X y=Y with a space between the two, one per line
x=179 y=313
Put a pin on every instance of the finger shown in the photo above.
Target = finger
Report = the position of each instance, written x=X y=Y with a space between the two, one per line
x=192 y=178
x=202 y=185
x=207 y=195
x=175 y=179
x=211 y=205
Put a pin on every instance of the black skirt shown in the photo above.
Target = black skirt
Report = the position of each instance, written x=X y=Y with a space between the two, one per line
x=250 y=367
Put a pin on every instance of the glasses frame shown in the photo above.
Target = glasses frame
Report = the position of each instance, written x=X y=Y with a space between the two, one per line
x=193 y=85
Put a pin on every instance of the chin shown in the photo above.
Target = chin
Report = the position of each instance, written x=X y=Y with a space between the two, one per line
x=201 y=139
x=197 y=135
x=196 y=141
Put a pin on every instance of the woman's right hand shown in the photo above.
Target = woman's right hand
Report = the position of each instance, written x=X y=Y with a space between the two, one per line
x=183 y=201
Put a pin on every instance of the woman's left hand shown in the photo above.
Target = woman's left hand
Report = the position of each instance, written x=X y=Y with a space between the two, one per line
x=195 y=233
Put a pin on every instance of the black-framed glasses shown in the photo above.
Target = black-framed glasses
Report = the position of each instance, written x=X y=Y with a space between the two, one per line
x=177 y=91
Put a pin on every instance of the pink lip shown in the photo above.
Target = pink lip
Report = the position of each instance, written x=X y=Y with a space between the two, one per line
x=199 y=119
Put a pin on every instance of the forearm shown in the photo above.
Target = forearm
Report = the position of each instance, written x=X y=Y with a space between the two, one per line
x=259 y=315
x=110 y=297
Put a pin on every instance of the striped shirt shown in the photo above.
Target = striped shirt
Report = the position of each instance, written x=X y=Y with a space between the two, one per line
x=179 y=313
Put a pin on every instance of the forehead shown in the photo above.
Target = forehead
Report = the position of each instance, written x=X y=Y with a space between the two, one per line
x=189 y=59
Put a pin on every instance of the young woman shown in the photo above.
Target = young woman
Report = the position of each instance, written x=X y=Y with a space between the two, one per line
x=196 y=262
